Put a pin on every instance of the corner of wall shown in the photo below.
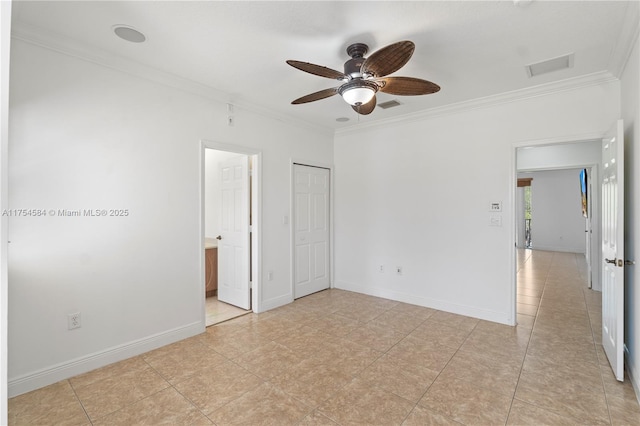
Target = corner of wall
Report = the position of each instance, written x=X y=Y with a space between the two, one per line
x=5 y=46
x=634 y=374
x=56 y=373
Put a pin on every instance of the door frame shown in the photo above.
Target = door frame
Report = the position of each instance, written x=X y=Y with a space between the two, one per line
x=292 y=243
x=256 y=215
x=513 y=187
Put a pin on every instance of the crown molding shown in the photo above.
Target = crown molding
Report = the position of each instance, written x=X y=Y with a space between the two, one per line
x=71 y=47
x=594 y=79
x=627 y=38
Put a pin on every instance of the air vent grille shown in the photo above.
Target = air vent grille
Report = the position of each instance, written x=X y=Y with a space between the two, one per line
x=389 y=104
x=550 y=65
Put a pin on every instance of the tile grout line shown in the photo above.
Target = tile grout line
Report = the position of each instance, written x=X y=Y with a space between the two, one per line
x=79 y=401
x=513 y=398
x=595 y=347
x=593 y=340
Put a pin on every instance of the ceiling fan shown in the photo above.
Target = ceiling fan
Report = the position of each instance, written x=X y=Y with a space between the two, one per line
x=364 y=77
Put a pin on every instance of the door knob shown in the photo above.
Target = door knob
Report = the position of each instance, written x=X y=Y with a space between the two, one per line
x=629 y=262
x=219 y=237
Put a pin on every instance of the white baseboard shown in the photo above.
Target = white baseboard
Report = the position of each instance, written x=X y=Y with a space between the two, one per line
x=469 y=311
x=634 y=374
x=578 y=250
x=276 y=302
x=65 y=370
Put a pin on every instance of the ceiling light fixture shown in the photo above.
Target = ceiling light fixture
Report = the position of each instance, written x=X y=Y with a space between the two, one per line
x=358 y=91
x=128 y=33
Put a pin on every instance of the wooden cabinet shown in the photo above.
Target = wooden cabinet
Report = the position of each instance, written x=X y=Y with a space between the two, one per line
x=211 y=271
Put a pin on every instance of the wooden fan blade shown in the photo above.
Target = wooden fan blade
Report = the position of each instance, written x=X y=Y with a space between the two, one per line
x=318 y=70
x=366 y=108
x=406 y=86
x=316 y=96
x=388 y=59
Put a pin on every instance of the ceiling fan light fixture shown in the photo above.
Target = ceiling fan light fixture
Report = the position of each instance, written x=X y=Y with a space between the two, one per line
x=358 y=92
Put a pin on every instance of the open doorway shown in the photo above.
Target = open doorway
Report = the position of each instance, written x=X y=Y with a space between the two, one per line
x=230 y=217
x=544 y=166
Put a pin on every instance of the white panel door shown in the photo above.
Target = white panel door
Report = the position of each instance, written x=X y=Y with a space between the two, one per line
x=233 y=244
x=613 y=248
x=311 y=230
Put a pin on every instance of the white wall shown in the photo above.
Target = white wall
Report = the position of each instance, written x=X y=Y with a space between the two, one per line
x=84 y=136
x=630 y=88
x=560 y=156
x=556 y=211
x=417 y=194
x=5 y=45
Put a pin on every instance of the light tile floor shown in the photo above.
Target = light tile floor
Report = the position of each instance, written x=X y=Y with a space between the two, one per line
x=217 y=311
x=342 y=358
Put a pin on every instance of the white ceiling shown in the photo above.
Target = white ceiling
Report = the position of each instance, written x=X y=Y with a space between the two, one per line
x=472 y=49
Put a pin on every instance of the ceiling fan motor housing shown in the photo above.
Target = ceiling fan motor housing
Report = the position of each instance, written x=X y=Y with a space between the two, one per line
x=352 y=67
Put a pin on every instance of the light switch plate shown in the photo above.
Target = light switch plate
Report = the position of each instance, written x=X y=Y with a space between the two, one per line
x=495 y=220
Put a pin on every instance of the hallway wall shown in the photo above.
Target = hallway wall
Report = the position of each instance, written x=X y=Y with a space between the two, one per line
x=556 y=211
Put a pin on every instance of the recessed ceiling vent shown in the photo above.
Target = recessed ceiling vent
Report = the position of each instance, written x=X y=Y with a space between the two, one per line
x=550 y=65
x=389 y=104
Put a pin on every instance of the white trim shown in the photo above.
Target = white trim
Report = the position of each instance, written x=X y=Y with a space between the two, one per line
x=469 y=311
x=579 y=138
x=634 y=374
x=513 y=263
x=67 y=46
x=5 y=47
x=257 y=305
x=577 y=250
x=575 y=83
x=630 y=29
x=55 y=373
x=70 y=47
x=294 y=161
x=276 y=302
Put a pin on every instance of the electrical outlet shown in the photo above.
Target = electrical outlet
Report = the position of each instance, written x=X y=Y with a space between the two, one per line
x=381 y=269
x=74 y=321
x=399 y=270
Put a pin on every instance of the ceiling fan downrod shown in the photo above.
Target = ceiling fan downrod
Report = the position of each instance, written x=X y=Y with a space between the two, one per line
x=352 y=66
